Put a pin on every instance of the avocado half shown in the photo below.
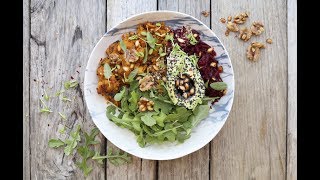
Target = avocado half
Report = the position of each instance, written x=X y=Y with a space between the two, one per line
x=183 y=76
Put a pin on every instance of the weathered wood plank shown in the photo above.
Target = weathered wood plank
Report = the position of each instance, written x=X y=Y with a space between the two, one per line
x=26 y=70
x=292 y=91
x=63 y=33
x=195 y=165
x=117 y=11
x=252 y=144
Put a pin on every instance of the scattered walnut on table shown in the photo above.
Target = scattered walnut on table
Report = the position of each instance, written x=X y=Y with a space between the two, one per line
x=205 y=13
x=223 y=20
x=253 y=51
x=245 y=34
x=229 y=18
x=257 y=28
x=269 y=41
x=240 y=18
x=232 y=27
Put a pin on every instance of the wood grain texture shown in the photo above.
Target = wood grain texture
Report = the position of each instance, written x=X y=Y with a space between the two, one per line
x=195 y=165
x=117 y=11
x=63 y=33
x=292 y=91
x=26 y=78
x=252 y=143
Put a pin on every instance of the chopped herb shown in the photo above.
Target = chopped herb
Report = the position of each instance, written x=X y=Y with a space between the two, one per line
x=123 y=46
x=134 y=37
x=59 y=92
x=70 y=84
x=107 y=71
x=72 y=142
x=192 y=39
x=151 y=40
x=62 y=130
x=150 y=51
x=65 y=99
x=146 y=55
x=158 y=24
x=63 y=116
x=132 y=75
x=139 y=54
x=45 y=96
x=45 y=107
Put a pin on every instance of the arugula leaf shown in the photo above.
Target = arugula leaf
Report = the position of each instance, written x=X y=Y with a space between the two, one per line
x=118 y=158
x=72 y=142
x=107 y=71
x=200 y=112
x=169 y=37
x=133 y=37
x=70 y=84
x=132 y=75
x=140 y=139
x=181 y=114
x=55 y=143
x=123 y=46
x=160 y=118
x=84 y=167
x=133 y=101
x=218 y=86
x=115 y=158
x=148 y=120
x=119 y=95
x=151 y=40
x=161 y=104
x=62 y=116
x=90 y=138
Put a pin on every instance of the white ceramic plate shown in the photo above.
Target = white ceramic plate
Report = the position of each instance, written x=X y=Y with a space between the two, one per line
x=123 y=138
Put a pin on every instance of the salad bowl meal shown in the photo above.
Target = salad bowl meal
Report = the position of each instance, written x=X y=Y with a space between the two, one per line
x=159 y=85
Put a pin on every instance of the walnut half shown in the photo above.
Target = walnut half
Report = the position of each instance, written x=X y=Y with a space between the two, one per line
x=245 y=34
x=253 y=51
x=232 y=27
x=146 y=83
x=240 y=18
x=257 y=28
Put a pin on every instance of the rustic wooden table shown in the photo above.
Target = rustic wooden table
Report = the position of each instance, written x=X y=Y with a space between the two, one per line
x=257 y=142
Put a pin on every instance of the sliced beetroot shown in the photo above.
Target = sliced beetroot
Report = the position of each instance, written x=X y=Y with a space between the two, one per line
x=208 y=72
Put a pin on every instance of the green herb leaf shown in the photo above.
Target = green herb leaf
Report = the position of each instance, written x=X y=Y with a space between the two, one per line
x=84 y=167
x=107 y=71
x=192 y=39
x=133 y=101
x=132 y=75
x=150 y=40
x=139 y=54
x=72 y=141
x=59 y=92
x=162 y=54
x=45 y=96
x=169 y=37
x=219 y=86
x=55 y=143
x=143 y=33
x=62 y=130
x=199 y=113
x=119 y=95
x=65 y=99
x=70 y=84
x=148 y=120
x=146 y=55
x=46 y=110
x=115 y=158
x=63 y=116
x=158 y=24
x=134 y=37
x=123 y=46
